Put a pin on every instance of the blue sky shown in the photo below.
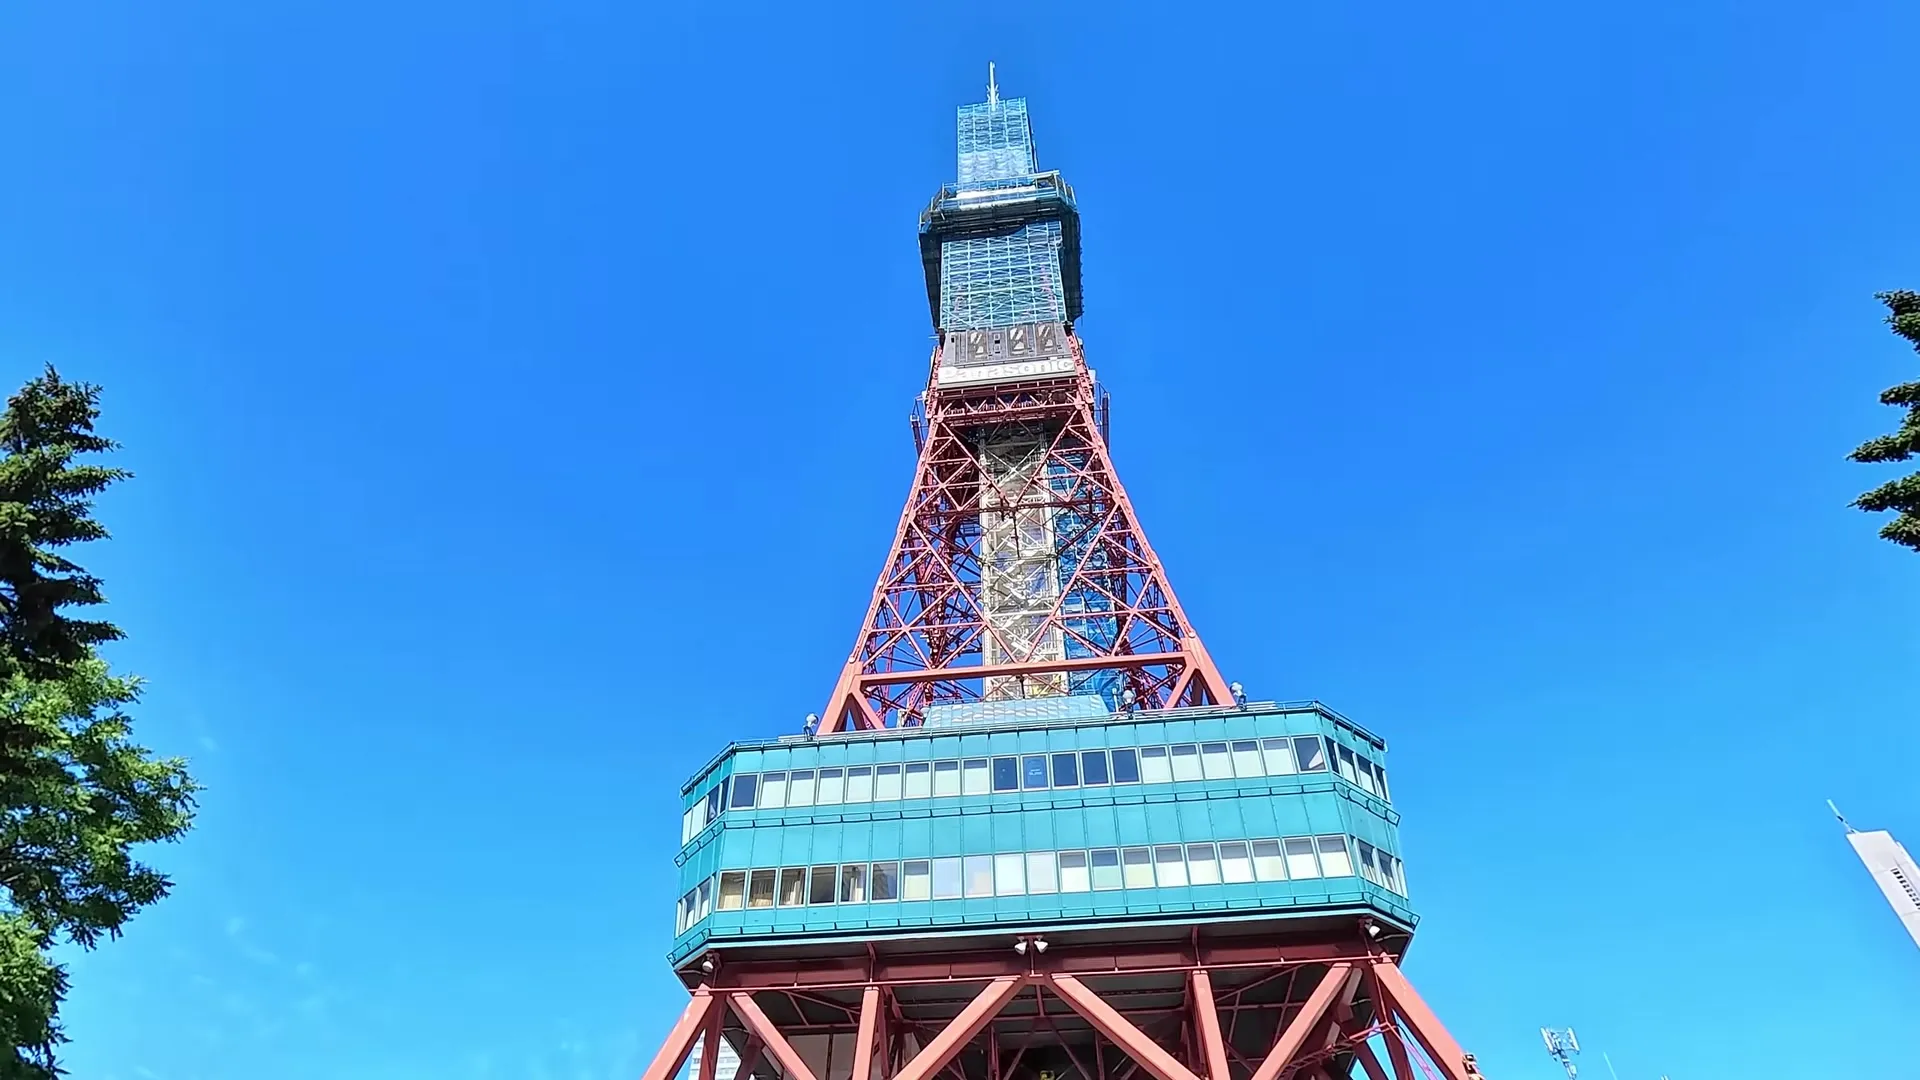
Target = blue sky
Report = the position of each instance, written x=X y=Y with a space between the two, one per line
x=518 y=398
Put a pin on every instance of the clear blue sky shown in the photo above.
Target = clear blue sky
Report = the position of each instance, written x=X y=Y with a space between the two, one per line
x=518 y=394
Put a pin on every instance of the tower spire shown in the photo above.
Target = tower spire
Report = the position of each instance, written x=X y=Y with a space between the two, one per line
x=993 y=88
x=1841 y=817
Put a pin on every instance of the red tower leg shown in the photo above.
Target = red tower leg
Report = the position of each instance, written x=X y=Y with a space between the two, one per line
x=673 y=1053
x=1422 y=1023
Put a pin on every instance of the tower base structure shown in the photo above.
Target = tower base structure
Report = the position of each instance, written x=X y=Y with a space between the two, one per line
x=1323 y=999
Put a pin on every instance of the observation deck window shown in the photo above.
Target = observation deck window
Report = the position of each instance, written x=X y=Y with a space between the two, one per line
x=1153 y=765
x=733 y=890
x=1346 y=765
x=1300 y=860
x=974 y=777
x=1170 y=866
x=1066 y=770
x=833 y=787
x=1310 y=752
x=919 y=780
x=885 y=881
x=1267 y=862
x=820 y=889
x=946 y=879
x=915 y=880
x=1033 y=772
x=1236 y=866
x=1246 y=758
x=1040 y=872
x=1186 y=762
x=793 y=886
x=800 y=788
x=760 y=889
x=1093 y=768
x=1126 y=767
x=1334 y=860
x=1215 y=762
x=946 y=778
x=886 y=783
x=1201 y=867
x=773 y=790
x=853 y=883
x=1010 y=875
x=1136 y=864
x=860 y=784
x=744 y=789
x=1073 y=872
x=979 y=870
x=1006 y=774
x=1106 y=868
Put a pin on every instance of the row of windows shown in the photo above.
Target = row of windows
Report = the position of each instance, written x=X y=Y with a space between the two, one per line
x=1229 y=862
x=1240 y=758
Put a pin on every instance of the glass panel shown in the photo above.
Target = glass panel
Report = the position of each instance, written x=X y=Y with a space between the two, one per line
x=820 y=888
x=1334 y=861
x=1346 y=765
x=1040 y=877
x=1396 y=872
x=686 y=826
x=833 y=786
x=706 y=900
x=683 y=915
x=973 y=777
x=1236 y=867
x=853 y=883
x=1366 y=776
x=800 y=788
x=1310 y=753
x=1137 y=864
x=946 y=879
x=1380 y=774
x=1368 y=868
x=744 y=789
x=860 y=784
x=1278 y=756
x=1126 y=767
x=919 y=780
x=1033 y=772
x=885 y=881
x=1153 y=765
x=914 y=880
x=979 y=871
x=1201 y=869
x=1300 y=861
x=1010 y=875
x=1073 y=871
x=1006 y=774
x=1246 y=759
x=1186 y=762
x=1170 y=866
x=760 y=889
x=1267 y=863
x=793 y=886
x=773 y=790
x=733 y=890
x=946 y=778
x=1106 y=868
x=886 y=783
x=715 y=798
x=1215 y=763
x=1066 y=770
x=1093 y=767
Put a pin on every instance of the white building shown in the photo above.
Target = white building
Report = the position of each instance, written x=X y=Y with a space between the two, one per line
x=1892 y=869
x=724 y=1069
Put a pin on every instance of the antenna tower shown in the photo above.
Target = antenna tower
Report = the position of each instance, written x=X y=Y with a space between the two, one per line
x=1562 y=1044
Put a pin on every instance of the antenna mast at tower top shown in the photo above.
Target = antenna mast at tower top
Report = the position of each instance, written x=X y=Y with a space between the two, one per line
x=1562 y=1044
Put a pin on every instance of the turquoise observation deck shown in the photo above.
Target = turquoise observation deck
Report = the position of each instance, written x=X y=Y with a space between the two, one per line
x=1260 y=812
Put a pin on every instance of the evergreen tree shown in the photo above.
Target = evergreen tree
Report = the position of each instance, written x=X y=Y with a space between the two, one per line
x=76 y=794
x=1902 y=495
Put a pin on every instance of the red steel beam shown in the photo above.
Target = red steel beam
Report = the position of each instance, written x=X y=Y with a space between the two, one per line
x=673 y=1053
x=1296 y=1034
x=986 y=1005
x=863 y=1042
x=1369 y=1062
x=749 y=1057
x=1213 y=1048
x=1031 y=667
x=1105 y=1020
x=1397 y=1053
x=1421 y=1021
x=710 y=1043
x=774 y=1043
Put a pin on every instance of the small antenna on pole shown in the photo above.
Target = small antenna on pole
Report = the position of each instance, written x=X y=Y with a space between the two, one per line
x=993 y=89
x=1841 y=817
x=1562 y=1044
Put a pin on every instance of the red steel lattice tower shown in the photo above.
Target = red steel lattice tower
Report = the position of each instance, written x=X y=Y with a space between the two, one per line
x=1035 y=835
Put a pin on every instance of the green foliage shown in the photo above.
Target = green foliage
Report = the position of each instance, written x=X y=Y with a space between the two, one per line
x=1901 y=496
x=45 y=504
x=77 y=795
